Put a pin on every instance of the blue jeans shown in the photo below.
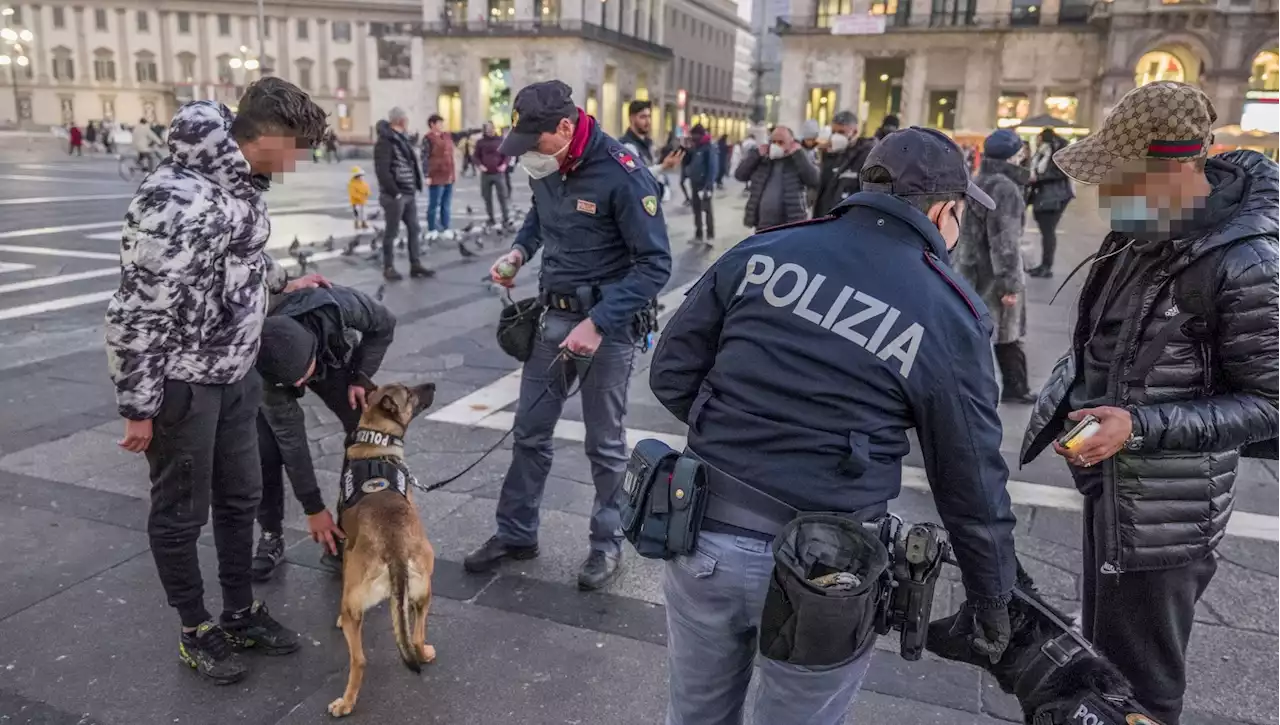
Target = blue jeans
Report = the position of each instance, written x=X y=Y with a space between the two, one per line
x=714 y=600
x=439 y=200
x=604 y=403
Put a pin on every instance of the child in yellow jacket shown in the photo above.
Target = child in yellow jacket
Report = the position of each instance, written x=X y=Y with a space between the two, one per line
x=358 y=192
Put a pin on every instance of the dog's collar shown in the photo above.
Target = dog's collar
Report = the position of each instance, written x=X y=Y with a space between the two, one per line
x=1054 y=654
x=373 y=437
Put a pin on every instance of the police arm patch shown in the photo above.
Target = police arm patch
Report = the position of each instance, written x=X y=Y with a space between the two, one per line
x=650 y=205
x=624 y=157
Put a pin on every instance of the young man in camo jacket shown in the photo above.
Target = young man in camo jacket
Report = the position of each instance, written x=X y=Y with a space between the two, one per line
x=182 y=335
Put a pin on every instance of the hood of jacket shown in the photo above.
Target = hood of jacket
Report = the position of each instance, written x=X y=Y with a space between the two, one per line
x=384 y=130
x=319 y=311
x=200 y=140
x=1257 y=212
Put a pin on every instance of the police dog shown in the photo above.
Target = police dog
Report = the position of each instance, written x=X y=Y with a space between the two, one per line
x=1057 y=680
x=387 y=554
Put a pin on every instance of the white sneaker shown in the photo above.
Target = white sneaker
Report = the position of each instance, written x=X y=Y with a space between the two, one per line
x=449 y=234
x=432 y=236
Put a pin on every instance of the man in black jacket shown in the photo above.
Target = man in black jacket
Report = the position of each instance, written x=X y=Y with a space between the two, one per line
x=780 y=176
x=399 y=183
x=1175 y=352
x=331 y=340
x=841 y=158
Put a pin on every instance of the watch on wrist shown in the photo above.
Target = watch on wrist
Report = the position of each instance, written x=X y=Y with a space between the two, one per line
x=1135 y=440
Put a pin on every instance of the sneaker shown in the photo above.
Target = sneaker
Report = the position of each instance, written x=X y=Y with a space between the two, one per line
x=391 y=275
x=492 y=552
x=449 y=234
x=208 y=651
x=600 y=568
x=270 y=554
x=1041 y=272
x=254 y=629
x=432 y=236
x=420 y=272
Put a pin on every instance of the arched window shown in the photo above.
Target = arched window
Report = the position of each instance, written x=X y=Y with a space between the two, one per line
x=1265 y=75
x=64 y=66
x=187 y=67
x=342 y=70
x=104 y=66
x=304 y=66
x=145 y=67
x=1159 y=65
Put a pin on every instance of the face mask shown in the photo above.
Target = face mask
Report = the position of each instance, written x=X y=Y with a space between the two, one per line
x=776 y=151
x=839 y=142
x=539 y=165
x=1131 y=213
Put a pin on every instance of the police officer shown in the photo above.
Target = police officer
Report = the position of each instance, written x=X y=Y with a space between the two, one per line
x=800 y=361
x=597 y=219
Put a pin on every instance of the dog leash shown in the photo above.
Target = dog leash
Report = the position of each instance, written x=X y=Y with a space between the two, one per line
x=564 y=356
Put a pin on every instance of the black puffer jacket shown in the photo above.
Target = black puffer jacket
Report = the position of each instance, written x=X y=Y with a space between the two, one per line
x=798 y=176
x=1211 y=390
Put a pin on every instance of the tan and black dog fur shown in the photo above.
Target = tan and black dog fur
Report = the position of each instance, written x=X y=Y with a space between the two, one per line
x=387 y=554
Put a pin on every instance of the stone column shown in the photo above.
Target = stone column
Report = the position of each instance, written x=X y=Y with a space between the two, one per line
x=913 y=92
x=362 y=61
x=646 y=12
x=1049 y=12
x=207 y=74
x=851 y=87
x=321 y=71
x=659 y=15
x=40 y=68
x=977 y=104
x=791 y=104
x=126 y=60
x=283 y=28
x=166 y=49
x=1226 y=91
x=571 y=10
x=84 y=69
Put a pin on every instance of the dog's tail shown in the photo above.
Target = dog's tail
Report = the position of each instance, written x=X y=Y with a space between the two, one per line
x=399 y=614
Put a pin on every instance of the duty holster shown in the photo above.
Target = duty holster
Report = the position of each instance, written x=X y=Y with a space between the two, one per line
x=518 y=327
x=664 y=499
x=820 y=610
x=916 y=556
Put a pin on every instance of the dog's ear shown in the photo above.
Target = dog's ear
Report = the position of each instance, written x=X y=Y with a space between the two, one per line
x=426 y=395
x=390 y=405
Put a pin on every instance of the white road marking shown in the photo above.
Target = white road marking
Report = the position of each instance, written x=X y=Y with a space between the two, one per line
x=63 y=303
x=59 y=179
x=38 y=231
x=39 y=282
x=13 y=267
x=57 y=199
x=57 y=252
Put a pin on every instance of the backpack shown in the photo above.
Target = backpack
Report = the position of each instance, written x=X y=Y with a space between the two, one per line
x=1192 y=295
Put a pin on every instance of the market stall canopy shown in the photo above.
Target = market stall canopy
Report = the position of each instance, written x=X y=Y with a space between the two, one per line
x=1236 y=137
x=1044 y=120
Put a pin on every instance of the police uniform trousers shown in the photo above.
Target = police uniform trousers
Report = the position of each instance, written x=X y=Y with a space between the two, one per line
x=714 y=600
x=604 y=404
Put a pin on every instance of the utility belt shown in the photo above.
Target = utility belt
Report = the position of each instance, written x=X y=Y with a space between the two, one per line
x=838 y=578
x=519 y=321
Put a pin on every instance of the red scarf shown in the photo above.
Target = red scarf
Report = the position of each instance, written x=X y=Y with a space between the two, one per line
x=581 y=132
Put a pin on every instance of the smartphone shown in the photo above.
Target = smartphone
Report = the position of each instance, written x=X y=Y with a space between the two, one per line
x=1080 y=433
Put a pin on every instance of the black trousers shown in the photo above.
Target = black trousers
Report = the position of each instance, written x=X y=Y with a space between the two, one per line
x=1142 y=620
x=333 y=393
x=701 y=211
x=1048 y=223
x=404 y=209
x=204 y=452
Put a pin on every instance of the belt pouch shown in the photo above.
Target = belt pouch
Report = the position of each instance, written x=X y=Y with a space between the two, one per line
x=645 y=509
x=518 y=328
x=807 y=621
x=688 y=503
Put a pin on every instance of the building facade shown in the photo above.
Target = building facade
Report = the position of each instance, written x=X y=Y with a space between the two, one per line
x=703 y=37
x=466 y=59
x=973 y=65
x=123 y=60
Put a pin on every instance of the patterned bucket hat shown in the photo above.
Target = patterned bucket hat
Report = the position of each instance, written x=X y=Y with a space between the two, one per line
x=1162 y=120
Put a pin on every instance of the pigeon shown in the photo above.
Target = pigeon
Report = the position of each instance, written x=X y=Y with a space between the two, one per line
x=293 y=248
x=328 y=244
x=382 y=290
x=351 y=246
x=468 y=208
x=462 y=249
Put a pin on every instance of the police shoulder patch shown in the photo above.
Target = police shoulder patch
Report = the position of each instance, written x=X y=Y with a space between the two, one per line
x=624 y=157
x=650 y=205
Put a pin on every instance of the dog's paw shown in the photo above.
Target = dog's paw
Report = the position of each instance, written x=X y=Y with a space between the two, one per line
x=426 y=654
x=339 y=624
x=340 y=707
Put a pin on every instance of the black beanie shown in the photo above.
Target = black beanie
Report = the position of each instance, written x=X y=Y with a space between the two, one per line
x=286 y=352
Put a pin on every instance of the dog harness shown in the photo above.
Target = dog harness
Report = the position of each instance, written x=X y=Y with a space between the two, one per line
x=364 y=476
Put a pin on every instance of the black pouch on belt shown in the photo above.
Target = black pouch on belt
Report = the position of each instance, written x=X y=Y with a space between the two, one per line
x=664 y=497
x=518 y=327
x=820 y=610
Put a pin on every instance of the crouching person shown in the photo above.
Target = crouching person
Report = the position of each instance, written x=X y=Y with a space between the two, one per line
x=329 y=340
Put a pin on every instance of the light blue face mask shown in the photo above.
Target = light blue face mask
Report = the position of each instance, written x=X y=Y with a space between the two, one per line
x=1131 y=213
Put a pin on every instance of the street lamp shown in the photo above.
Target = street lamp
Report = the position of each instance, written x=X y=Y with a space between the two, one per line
x=13 y=53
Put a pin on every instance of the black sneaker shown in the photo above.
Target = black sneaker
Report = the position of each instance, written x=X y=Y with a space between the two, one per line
x=270 y=554
x=600 y=568
x=492 y=552
x=420 y=272
x=254 y=629
x=391 y=275
x=208 y=651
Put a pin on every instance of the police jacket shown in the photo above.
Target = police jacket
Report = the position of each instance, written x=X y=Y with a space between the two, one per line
x=599 y=223
x=1211 y=386
x=804 y=355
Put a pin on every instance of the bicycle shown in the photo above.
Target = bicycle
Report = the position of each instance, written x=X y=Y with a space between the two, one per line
x=132 y=167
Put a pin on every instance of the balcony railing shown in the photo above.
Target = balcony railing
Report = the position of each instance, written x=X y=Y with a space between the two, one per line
x=524 y=29
x=821 y=25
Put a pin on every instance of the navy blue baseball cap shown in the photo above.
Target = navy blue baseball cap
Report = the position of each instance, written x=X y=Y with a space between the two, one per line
x=923 y=161
x=538 y=109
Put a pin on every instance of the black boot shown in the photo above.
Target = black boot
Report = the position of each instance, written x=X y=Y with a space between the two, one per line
x=492 y=552
x=270 y=554
x=1013 y=372
x=417 y=271
x=600 y=568
x=391 y=275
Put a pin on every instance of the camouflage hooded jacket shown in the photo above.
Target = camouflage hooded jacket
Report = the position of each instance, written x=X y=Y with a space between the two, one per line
x=193 y=273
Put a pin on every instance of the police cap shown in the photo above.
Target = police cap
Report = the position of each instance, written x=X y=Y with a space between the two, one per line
x=538 y=109
x=923 y=161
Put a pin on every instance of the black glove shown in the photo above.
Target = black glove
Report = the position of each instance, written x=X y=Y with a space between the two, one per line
x=991 y=629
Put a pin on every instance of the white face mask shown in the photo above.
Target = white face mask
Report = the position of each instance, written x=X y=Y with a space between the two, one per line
x=776 y=151
x=839 y=142
x=539 y=165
